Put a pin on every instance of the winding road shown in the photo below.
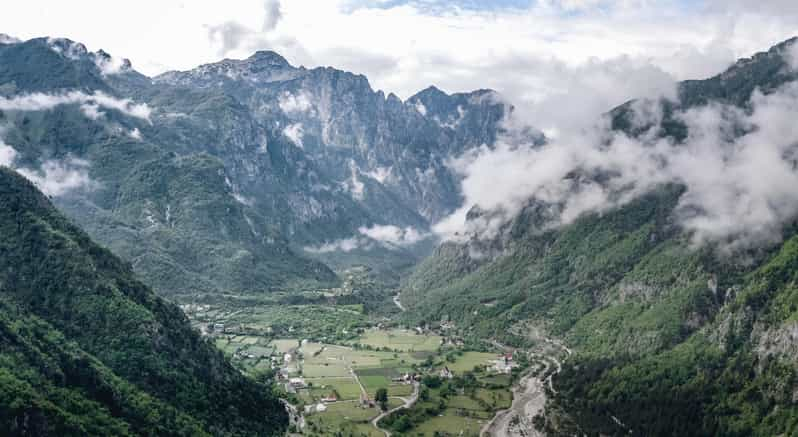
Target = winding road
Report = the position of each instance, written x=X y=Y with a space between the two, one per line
x=408 y=403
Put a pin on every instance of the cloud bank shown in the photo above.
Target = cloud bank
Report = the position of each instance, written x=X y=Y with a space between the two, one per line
x=90 y=103
x=53 y=177
x=740 y=188
x=387 y=236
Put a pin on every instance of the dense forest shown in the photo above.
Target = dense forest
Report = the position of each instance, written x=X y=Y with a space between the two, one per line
x=87 y=349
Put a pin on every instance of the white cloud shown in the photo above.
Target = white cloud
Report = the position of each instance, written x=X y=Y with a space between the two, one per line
x=92 y=111
x=7 y=154
x=108 y=64
x=56 y=178
x=295 y=133
x=53 y=177
x=740 y=190
x=387 y=236
x=290 y=103
x=342 y=245
x=272 y=15
x=89 y=103
x=135 y=133
x=393 y=235
x=792 y=56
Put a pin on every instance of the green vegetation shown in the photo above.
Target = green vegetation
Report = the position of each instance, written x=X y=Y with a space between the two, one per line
x=86 y=349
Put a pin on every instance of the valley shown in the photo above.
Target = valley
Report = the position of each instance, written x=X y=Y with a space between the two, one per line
x=331 y=360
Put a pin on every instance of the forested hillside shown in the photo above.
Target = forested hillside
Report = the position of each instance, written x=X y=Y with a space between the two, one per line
x=87 y=349
x=672 y=335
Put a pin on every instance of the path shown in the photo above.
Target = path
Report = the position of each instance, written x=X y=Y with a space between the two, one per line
x=408 y=403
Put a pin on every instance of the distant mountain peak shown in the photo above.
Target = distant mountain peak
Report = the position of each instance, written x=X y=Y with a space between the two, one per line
x=269 y=58
x=430 y=91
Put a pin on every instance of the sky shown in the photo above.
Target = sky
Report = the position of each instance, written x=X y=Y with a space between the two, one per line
x=524 y=48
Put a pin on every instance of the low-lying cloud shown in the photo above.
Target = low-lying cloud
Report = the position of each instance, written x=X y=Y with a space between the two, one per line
x=740 y=188
x=387 y=236
x=53 y=177
x=90 y=103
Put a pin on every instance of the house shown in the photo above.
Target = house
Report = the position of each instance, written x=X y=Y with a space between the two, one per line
x=297 y=383
x=287 y=358
x=330 y=398
x=320 y=408
x=218 y=327
x=446 y=373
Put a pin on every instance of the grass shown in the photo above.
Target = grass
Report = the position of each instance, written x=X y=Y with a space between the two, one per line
x=401 y=340
x=346 y=387
x=284 y=345
x=451 y=424
x=468 y=360
x=321 y=370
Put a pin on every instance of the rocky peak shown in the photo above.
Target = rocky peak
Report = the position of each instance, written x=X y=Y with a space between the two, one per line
x=268 y=59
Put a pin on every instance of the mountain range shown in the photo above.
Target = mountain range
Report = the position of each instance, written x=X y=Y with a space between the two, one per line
x=254 y=175
x=274 y=167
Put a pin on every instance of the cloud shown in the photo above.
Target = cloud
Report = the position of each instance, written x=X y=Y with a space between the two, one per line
x=291 y=104
x=109 y=65
x=272 y=15
x=7 y=154
x=792 y=56
x=739 y=188
x=135 y=133
x=387 y=236
x=54 y=177
x=342 y=245
x=89 y=103
x=295 y=133
x=228 y=36
x=393 y=235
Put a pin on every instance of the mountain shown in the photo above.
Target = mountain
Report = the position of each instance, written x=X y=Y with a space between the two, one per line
x=242 y=175
x=669 y=337
x=235 y=176
x=87 y=349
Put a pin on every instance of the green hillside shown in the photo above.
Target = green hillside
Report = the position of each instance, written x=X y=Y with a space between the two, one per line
x=86 y=349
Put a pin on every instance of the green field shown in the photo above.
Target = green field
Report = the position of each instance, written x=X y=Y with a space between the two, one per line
x=400 y=340
x=451 y=424
x=468 y=360
x=346 y=387
x=284 y=345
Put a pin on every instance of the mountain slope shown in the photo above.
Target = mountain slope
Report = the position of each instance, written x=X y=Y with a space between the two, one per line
x=669 y=338
x=287 y=163
x=89 y=350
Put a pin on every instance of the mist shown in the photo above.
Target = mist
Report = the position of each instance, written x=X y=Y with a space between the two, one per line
x=738 y=169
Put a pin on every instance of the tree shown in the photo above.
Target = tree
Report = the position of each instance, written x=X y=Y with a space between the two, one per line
x=381 y=397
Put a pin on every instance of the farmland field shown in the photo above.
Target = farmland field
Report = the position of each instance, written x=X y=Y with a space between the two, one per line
x=468 y=360
x=401 y=340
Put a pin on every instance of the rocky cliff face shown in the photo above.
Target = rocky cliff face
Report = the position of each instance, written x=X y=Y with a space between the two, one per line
x=230 y=175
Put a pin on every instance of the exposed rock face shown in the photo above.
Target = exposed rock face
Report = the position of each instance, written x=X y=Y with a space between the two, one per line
x=252 y=160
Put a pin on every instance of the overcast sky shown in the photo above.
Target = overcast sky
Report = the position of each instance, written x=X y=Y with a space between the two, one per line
x=531 y=51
